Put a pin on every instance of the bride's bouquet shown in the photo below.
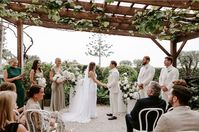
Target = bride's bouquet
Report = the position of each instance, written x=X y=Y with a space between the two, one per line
x=41 y=81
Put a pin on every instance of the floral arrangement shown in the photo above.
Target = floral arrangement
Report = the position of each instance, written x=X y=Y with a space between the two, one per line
x=41 y=81
x=65 y=76
x=129 y=89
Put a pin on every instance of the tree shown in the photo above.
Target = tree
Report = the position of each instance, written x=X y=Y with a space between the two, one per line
x=137 y=64
x=98 y=47
x=126 y=62
x=189 y=63
x=7 y=54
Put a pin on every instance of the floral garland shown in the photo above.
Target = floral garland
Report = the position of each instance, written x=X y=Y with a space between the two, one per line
x=128 y=88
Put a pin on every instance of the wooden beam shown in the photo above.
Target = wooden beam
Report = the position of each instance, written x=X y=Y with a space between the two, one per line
x=187 y=36
x=184 y=4
x=181 y=47
x=161 y=47
x=87 y=6
x=20 y=43
x=79 y=15
x=173 y=52
x=48 y=24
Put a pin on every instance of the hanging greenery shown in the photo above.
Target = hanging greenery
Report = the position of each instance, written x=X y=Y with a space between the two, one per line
x=164 y=24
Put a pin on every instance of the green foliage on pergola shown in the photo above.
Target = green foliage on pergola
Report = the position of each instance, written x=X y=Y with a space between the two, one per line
x=163 y=19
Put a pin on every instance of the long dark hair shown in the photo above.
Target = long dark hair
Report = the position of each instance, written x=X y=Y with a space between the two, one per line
x=34 y=65
x=91 y=66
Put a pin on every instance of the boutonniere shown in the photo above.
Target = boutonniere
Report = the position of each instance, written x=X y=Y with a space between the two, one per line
x=169 y=70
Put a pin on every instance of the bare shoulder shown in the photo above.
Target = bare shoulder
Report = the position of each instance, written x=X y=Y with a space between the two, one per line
x=32 y=71
x=21 y=128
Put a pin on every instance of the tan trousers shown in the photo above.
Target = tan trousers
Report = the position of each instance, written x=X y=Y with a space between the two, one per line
x=114 y=103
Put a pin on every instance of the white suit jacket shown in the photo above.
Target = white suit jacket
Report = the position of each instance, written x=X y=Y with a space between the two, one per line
x=168 y=75
x=113 y=81
x=146 y=74
x=181 y=118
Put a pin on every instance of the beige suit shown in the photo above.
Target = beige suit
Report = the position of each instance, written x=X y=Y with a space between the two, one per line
x=113 y=85
x=179 y=119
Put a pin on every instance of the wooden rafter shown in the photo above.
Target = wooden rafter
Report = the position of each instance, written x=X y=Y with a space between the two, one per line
x=167 y=3
x=119 y=20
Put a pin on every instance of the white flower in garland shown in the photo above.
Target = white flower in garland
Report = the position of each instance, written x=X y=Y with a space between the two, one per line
x=128 y=88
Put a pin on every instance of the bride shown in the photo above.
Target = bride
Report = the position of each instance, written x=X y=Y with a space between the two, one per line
x=83 y=105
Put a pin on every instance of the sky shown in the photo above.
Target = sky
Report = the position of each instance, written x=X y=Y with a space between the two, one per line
x=71 y=45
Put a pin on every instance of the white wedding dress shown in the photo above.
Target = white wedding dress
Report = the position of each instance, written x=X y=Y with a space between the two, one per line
x=83 y=104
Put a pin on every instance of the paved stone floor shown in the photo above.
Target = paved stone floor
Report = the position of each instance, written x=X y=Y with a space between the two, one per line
x=100 y=124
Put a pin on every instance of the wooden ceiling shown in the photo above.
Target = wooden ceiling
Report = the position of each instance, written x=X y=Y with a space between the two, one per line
x=119 y=14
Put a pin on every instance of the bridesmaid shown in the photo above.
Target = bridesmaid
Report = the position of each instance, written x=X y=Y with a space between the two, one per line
x=36 y=73
x=57 y=94
x=13 y=74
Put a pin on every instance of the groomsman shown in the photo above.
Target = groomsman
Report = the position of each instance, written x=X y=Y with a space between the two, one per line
x=145 y=76
x=113 y=86
x=167 y=75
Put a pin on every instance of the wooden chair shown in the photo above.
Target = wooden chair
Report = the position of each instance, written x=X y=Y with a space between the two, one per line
x=37 y=120
x=157 y=112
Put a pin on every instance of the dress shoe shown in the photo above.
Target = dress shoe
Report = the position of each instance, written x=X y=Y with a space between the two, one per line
x=109 y=114
x=112 y=118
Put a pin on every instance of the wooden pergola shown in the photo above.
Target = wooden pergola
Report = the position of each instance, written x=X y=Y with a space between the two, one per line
x=118 y=14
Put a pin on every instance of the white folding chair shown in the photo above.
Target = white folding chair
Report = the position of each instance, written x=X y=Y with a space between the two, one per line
x=146 y=112
x=170 y=109
x=37 y=120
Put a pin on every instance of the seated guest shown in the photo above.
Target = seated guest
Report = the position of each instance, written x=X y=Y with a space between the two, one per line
x=7 y=86
x=7 y=123
x=180 y=82
x=152 y=101
x=181 y=118
x=35 y=94
x=10 y=87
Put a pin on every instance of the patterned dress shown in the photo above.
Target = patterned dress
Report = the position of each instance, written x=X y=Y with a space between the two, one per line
x=13 y=72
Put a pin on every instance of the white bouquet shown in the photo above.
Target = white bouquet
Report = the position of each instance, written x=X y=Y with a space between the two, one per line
x=41 y=81
x=59 y=78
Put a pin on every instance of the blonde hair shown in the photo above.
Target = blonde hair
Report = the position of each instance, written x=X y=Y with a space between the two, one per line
x=7 y=86
x=57 y=59
x=12 y=60
x=7 y=101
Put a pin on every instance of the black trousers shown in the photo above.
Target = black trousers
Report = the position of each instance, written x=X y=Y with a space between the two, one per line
x=130 y=124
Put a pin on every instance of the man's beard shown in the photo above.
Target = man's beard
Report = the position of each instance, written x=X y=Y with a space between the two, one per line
x=144 y=63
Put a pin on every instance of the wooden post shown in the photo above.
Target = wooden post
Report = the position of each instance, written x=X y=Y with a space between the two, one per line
x=173 y=52
x=20 y=43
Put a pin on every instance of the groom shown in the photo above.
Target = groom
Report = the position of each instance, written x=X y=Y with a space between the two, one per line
x=113 y=86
